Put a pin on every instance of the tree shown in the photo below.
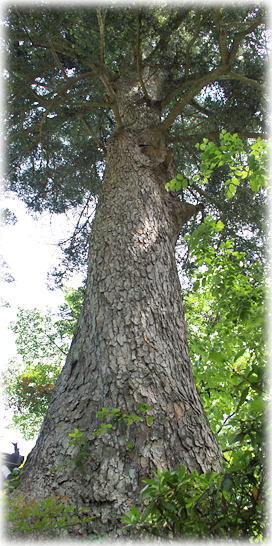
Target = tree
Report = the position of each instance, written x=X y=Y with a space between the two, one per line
x=135 y=80
x=42 y=342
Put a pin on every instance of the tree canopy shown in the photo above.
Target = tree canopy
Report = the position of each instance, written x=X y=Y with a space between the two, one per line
x=64 y=68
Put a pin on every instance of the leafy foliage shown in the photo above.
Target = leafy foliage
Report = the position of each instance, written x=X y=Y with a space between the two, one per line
x=42 y=344
x=41 y=520
x=226 y=322
x=191 y=505
x=69 y=311
x=83 y=444
x=231 y=153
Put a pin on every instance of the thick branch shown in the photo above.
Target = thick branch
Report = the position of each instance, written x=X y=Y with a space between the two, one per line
x=212 y=135
x=139 y=55
x=198 y=85
x=239 y=36
x=187 y=210
x=236 y=76
x=222 y=35
x=101 y=14
x=219 y=73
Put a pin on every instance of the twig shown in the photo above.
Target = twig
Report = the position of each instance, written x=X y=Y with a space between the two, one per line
x=56 y=345
x=92 y=134
x=225 y=421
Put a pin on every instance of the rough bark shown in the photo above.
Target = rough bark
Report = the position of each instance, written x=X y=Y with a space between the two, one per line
x=130 y=346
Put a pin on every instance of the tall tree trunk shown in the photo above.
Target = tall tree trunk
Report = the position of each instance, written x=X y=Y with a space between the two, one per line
x=130 y=347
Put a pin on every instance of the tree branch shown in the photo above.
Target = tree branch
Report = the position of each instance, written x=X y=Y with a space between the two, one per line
x=61 y=45
x=219 y=73
x=222 y=35
x=212 y=135
x=239 y=36
x=92 y=134
x=236 y=76
x=201 y=108
x=74 y=79
x=51 y=339
x=139 y=55
x=225 y=421
x=166 y=32
x=104 y=74
x=189 y=47
x=101 y=14
x=57 y=59
x=199 y=83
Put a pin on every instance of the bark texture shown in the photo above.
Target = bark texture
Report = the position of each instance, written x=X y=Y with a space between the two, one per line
x=130 y=346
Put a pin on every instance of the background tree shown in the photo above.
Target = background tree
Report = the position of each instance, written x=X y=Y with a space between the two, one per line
x=125 y=76
x=42 y=342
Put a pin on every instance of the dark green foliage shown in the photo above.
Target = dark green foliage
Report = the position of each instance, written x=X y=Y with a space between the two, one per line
x=61 y=97
x=177 y=504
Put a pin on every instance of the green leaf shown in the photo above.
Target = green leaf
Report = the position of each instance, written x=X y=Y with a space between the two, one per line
x=230 y=191
x=257 y=405
x=219 y=226
x=173 y=185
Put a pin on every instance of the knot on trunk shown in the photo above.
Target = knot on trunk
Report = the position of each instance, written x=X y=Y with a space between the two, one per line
x=151 y=143
x=144 y=148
